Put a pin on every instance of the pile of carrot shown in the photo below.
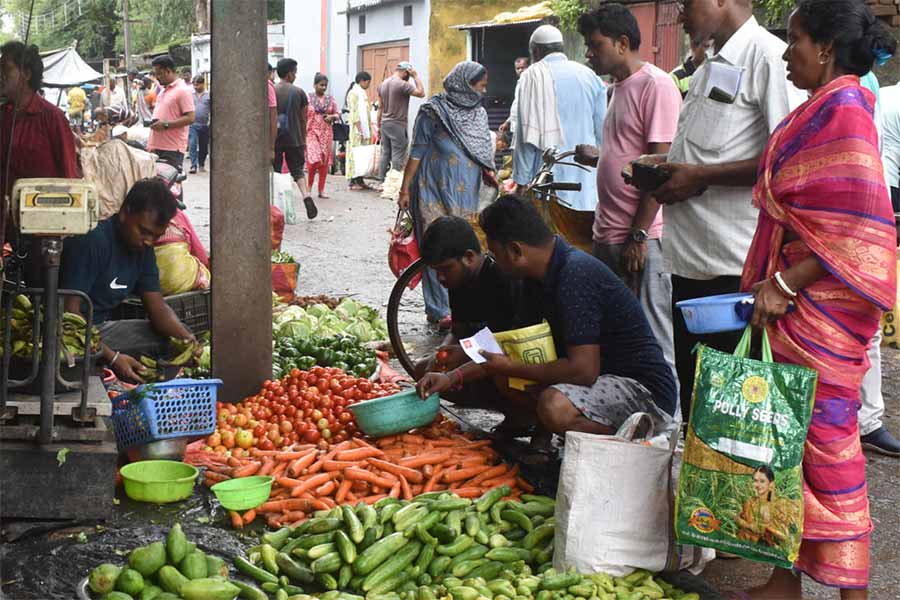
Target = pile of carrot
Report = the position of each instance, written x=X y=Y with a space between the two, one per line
x=308 y=479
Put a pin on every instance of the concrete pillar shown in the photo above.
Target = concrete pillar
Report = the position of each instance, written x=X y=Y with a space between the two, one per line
x=239 y=210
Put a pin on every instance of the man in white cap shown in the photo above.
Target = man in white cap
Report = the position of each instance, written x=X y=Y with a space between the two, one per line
x=561 y=103
x=393 y=115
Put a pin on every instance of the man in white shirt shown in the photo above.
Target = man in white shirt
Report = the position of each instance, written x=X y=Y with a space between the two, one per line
x=112 y=95
x=521 y=64
x=890 y=140
x=737 y=98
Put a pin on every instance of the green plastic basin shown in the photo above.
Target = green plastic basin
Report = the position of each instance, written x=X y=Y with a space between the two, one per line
x=395 y=414
x=158 y=481
x=243 y=493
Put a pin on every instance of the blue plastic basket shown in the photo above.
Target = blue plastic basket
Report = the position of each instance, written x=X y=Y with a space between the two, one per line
x=176 y=408
x=714 y=314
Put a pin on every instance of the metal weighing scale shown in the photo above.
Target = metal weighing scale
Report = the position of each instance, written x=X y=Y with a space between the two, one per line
x=57 y=454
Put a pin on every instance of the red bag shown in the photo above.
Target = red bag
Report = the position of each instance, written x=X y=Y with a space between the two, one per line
x=404 y=249
x=276 y=224
x=284 y=280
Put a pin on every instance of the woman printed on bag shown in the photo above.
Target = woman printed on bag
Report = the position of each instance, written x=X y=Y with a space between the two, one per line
x=826 y=242
x=451 y=153
x=759 y=521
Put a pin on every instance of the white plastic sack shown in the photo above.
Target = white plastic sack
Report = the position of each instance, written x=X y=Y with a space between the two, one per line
x=393 y=181
x=365 y=160
x=281 y=192
x=615 y=505
x=114 y=167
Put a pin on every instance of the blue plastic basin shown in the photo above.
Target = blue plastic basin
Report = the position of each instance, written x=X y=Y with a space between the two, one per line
x=714 y=314
x=395 y=414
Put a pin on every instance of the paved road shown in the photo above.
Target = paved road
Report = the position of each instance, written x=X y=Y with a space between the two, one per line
x=344 y=252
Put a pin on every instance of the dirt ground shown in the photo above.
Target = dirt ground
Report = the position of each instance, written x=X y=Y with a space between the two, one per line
x=344 y=251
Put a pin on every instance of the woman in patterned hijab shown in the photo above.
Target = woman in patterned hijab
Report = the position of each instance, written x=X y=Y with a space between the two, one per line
x=450 y=155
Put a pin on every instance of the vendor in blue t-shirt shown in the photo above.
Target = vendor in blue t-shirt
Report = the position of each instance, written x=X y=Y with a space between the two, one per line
x=609 y=367
x=117 y=260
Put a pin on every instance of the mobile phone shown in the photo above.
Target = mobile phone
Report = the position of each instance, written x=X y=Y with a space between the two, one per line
x=647 y=178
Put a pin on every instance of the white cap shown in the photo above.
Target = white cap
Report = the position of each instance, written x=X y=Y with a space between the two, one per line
x=119 y=130
x=546 y=34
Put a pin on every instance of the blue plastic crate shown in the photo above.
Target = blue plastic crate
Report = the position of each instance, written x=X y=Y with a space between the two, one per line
x=176 y=408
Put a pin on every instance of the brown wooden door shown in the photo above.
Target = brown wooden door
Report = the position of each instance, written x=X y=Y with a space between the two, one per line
x=645 y=14
x=380 y=61
x=669 y=35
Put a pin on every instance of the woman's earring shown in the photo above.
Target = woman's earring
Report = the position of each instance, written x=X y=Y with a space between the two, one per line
x=823 y=61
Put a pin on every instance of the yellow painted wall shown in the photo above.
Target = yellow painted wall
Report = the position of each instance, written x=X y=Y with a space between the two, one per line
x=448 y=46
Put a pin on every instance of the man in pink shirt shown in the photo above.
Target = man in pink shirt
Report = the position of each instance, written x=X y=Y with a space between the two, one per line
x=172 y=115
x=641 y=119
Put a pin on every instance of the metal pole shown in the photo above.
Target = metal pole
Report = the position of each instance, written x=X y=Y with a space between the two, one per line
x=239 y=213
x=126 y=39
x=51 y=250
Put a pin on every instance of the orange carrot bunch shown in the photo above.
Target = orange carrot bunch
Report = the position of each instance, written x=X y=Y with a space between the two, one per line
x=307 y=479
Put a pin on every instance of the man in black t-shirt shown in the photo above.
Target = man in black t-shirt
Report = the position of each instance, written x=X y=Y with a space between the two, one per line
x=609 y=367
x=481 y=295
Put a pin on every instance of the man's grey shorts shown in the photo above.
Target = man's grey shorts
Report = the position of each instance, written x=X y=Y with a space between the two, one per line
x=612 y=399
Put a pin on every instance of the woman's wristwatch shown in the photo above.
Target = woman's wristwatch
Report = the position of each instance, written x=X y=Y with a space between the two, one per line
x=639 y=235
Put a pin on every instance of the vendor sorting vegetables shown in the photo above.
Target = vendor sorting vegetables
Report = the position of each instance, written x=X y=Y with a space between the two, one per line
x=610 y=365
x=116 y=260
x=481 y=295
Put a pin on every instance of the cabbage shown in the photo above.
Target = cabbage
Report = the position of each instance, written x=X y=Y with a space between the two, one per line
x=347 y=308
x=291 y=313
x=318 y=310
x=361 y=330
x=294 y=329
x=367 y=313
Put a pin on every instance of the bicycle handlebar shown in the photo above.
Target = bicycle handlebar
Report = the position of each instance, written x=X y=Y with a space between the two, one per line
x=566 y=186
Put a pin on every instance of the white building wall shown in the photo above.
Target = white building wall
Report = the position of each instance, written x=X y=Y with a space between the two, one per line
x=303 y=38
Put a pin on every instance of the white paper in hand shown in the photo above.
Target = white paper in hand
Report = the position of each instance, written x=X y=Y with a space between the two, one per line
x=483 y=340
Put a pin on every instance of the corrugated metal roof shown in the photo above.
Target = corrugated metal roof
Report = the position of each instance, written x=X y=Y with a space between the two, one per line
x=354 y=6
x=492 y=24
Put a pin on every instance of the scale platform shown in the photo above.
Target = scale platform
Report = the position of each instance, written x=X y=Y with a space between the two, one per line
x=33 y=483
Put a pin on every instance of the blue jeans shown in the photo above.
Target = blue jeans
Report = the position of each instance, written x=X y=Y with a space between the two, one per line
x=437 y=302
x=198 y=142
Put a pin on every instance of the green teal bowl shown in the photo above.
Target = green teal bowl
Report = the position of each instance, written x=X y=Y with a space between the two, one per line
x=395 y=414
x=159 y=481
x=243 y=493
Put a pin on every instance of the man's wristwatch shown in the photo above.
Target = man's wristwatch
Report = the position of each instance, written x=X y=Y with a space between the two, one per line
x=165 y=124
x=639 y=235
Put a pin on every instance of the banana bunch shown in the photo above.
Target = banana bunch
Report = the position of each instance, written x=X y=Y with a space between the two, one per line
x=71 y=332
x=184 y=356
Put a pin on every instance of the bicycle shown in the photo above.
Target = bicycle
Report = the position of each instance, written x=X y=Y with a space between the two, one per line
x=412 y=339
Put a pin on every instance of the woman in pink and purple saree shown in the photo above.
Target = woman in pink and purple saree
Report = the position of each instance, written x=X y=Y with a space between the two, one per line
x=826 y=243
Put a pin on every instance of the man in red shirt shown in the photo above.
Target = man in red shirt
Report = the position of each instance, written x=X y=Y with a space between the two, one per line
x=172 y=115
x=41 y=144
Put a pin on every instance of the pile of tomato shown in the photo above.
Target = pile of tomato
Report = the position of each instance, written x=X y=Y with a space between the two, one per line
x=307 y=407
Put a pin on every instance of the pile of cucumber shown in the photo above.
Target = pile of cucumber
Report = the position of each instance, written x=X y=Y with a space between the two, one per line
x=171 y=570
x=398 y=546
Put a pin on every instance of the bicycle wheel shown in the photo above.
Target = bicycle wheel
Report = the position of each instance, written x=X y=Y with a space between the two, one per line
x=412 y=337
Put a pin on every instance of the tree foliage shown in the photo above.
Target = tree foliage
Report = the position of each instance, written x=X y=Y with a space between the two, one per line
x=98 y=30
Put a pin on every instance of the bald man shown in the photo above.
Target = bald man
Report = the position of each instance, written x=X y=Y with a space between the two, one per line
x=722 y=131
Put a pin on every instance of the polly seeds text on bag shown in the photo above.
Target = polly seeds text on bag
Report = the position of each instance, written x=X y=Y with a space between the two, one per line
x=741 y=487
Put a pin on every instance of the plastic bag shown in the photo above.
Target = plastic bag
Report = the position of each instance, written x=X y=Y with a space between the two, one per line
x=284 y=279
x=365 y=160
x=529 y=345
x=614 y=503
x=741 y=485
x=889 y=326
x=283 y=196
x=179 y=270
x=404 y=249
x=276 y=226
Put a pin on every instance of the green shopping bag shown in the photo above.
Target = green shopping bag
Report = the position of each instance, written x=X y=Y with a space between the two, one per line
x=741 y=488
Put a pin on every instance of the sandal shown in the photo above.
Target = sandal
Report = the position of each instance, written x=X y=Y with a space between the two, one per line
x=509 y=429
x=311 y=210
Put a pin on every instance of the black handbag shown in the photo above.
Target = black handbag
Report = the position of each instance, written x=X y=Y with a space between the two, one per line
x=340 y=130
